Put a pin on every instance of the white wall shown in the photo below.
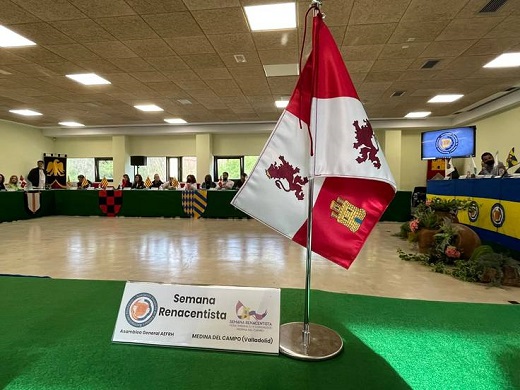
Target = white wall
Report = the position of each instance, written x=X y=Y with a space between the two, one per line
x=82 y=147
x=22 y=146
x=239 y=144
x=499 y=133
x=155 y=146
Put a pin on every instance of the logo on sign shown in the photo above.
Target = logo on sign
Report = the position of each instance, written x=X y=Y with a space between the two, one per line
x=498 y=215
x=245 y=313
x=141 y=309
x=473 y=211
x=447 y=142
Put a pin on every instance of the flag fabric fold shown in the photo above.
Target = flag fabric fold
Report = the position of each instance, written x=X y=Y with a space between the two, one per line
x=449 y=167
x=148 y=182
x=353 y=184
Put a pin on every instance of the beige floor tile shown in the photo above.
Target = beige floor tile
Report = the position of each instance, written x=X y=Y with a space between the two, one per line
x=219 y=251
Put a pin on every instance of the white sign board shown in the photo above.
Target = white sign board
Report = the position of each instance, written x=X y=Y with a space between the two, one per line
x=217 y=317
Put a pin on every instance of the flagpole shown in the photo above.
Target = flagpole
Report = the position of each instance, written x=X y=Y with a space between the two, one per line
x=308 y=341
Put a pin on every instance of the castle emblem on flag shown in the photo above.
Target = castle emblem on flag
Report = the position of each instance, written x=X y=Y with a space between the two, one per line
x=286 y=171
x=347 y=214
x=365 y=139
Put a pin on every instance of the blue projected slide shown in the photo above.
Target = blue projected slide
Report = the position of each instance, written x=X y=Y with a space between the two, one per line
x=448 y=143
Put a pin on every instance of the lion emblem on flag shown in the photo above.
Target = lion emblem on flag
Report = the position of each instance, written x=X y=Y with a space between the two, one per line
x=365 y=143
x=287 y=172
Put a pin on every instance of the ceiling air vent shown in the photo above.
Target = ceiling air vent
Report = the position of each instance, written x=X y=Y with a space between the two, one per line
x=184 y=101
x=398 y=93
x=240 y=58
x=492 y=6
x=430 y=64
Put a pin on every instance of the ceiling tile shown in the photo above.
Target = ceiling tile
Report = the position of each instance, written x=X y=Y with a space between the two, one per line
x=282 y=85
x=427 y=11
x=231 y=43
x=213 y=74
x=419 y=32
x=365 y=52
x=145 y=7
x=192 y=84
x=174 y=25
x=166 y=64
x=201 y=61
x=73 y=52
x=270 y=57
x=127 y=27
x=221 y=21
x=403 y=50
x=269 y=40
x=103 y=8
x=229 y=60
x=112 y=49
x=132 y=64
x=383 y=76
x=391 y=65
x=380 y=11
x=337 y=12
x=41 y=33
x=7 y=58
x=12 y=14
x=36 y=54
x=447 y=48
x=190 y=45
x=359 y=66
x=492 y=46
x=50 y=10
x=369 y=34
x=150 y=48
x=148 y=77
x=83 y=31
x=468 y=28
x=509 y=28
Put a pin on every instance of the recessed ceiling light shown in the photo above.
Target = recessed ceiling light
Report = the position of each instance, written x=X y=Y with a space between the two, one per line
x=281 y=70
x=88 y=79
x=175 y=120
x=445 y=98
x=72 y=124
x=417 y=114
x=25 y=112
x=281 y=103
x=271 y=16
x=9 y=38
x=148 y=107
x=506 y=60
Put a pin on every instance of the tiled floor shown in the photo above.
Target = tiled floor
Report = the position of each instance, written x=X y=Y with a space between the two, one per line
x=219 y=251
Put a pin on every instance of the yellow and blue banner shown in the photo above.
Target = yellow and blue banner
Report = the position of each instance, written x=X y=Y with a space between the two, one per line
x=194 y=203
x=495 y=209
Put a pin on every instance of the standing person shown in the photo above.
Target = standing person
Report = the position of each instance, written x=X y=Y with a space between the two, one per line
x=138 y=182
x=488 y=165
x=224 y=183
x=157 y=182
x=13 y=184
x=36 y=175
x=2 y=179
x=208 y=183
x=241 y=182
x=126 y=183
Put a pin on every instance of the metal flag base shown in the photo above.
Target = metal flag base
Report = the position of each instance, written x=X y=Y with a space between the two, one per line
x=324 y=342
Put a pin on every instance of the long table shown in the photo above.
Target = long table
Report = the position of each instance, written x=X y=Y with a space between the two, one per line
x=496 y=212
x=145 y=203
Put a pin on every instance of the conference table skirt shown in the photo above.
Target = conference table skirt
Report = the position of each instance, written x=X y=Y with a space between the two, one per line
x=144 y=203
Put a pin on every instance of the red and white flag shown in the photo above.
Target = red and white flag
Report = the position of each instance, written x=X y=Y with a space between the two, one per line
x=353 y=184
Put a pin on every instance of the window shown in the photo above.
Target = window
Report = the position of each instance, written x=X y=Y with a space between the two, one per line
x=234 y=165
x=153 y=165
x=189 y=167
x=104 y=168
x=80 y=166
x=174 y=168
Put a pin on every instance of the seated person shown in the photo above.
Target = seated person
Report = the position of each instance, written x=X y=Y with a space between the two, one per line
x=191 y=183
x=83 y=182
x=13 y=184
x=157 y=182
x=208 y=183
x=171 y=184
x=224 y=183
x=488 y=166
x=138 y=182
x=241 y=182
x=125 y=183
x=2 y=179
